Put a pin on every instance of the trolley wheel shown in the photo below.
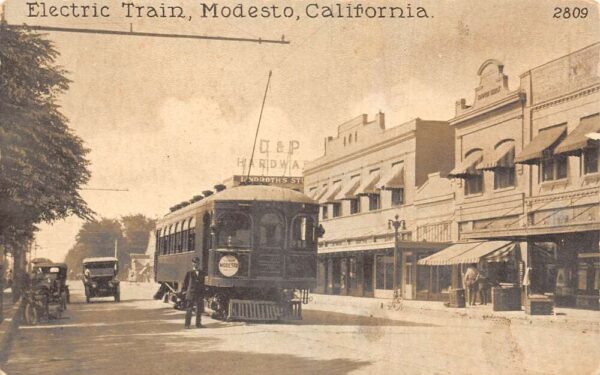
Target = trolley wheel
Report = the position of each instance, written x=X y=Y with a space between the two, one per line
x=31 y=314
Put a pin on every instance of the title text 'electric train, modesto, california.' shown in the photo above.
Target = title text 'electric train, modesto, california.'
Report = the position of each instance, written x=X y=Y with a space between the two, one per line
x=256 y=243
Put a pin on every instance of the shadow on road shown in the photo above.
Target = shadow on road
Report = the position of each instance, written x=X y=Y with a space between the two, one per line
x=327 y=318
x=131 y=340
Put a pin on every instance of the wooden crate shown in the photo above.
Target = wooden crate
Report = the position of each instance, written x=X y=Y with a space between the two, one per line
x=506 y=299
x=539 y=305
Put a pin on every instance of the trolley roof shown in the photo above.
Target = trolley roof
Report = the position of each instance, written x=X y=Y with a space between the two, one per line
x=99 y=259
x=250 y=193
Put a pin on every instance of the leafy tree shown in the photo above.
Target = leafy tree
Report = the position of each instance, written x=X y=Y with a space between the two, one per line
x=97 y=238
x=42 y=163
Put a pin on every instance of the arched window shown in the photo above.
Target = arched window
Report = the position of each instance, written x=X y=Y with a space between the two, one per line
x=191 y=237
x=170 y=241
x=233 y=230
x=271 y=231
x=178 y=237
x=303 y=232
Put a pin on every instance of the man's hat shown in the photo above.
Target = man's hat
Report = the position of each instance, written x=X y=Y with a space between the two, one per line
x=196 y=260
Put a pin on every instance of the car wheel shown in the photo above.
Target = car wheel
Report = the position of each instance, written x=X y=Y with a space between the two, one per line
x=31 y=314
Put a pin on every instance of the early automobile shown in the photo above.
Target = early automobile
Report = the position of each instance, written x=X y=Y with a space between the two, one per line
x=49 y=293
x=100 y=278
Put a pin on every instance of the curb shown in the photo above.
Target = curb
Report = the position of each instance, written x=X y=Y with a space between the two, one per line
x=14 y=314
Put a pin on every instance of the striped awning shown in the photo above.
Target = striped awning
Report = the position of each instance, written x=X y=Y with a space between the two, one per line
x=469 y=252
x=347 y=191
x=331 y=193
x=369 y=185
x=320 y=192
x=467 y=166
x=577 y=140
x=533 y=152
x=502 y=156
x=394 y=179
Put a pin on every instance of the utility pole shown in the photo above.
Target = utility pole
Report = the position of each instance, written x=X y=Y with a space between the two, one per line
x=116 y=246
x=397 y=224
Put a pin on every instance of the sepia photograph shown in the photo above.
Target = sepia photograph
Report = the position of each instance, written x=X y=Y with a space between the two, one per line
x=299 y=187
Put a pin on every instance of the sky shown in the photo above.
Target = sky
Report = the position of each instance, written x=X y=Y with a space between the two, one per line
x=168 y=118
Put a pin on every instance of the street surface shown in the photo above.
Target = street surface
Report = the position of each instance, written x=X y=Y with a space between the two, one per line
x=144 y=336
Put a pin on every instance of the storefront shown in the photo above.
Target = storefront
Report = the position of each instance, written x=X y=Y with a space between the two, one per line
x=370 y=272
x=499 y=261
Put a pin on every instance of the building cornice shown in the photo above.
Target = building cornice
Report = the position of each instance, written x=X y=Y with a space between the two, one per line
x=411 y=134
x=507 y=100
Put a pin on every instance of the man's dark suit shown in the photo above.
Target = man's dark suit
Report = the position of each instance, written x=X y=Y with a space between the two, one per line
x=193 y=286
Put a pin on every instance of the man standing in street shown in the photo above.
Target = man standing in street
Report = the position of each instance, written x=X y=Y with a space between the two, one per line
x=193 y=287
x=470 y=283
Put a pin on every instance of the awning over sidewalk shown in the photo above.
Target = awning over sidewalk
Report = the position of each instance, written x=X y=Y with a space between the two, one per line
x=394 y=179
x=347 y=191
x=467 y=166
x=470 y=252
x=545 y=139
x=577 y=140
x=502 y=156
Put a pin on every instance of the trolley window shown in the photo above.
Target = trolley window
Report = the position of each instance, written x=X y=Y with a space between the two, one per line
x=271 y=231
x=233 y=229
x=303 y=232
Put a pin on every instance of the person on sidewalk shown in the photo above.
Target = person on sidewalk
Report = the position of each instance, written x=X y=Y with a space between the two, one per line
x=470 y=283
x=484 y=285
x=193 y=286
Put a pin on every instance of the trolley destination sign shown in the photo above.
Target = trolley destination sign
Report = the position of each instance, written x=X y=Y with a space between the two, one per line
x=283 y=181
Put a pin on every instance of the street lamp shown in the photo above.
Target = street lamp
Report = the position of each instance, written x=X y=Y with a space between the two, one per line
x=397 y=224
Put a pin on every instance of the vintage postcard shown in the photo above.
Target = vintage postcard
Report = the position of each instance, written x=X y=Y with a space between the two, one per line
x=299 y=187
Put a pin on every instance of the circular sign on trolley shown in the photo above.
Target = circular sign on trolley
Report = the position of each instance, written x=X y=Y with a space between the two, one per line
x=229 y=265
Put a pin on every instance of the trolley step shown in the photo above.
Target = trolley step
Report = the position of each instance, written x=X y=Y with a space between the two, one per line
x=264 y=310
x=254 y=310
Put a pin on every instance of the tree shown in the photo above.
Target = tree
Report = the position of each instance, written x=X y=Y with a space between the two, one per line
x=42 y=163
x=97 y=238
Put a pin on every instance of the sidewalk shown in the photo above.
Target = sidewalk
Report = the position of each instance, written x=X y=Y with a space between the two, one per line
x=10 y=324
x=429 y=311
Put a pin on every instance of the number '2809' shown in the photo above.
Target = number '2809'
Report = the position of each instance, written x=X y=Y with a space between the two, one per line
x=567 y=12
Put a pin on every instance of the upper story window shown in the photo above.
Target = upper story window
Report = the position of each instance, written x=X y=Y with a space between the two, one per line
x=303 y=232
x=271 y=230
x=336 y=209
x=468 y=171
x=233 y=229
x=503 y=164
x=591 y=160
x=354 y=205
x=374 y=202
x=553 y=167
x=324 y=212
x=474 y=184
x=397 y=197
